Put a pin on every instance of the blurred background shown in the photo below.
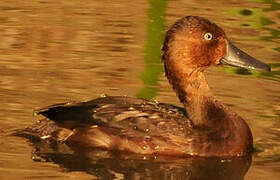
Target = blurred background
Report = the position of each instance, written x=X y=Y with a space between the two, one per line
x=56 y=51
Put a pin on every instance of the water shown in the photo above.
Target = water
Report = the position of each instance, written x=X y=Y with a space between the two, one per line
x=54 y=51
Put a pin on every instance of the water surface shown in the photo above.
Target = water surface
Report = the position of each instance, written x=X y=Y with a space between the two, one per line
x=54 y=52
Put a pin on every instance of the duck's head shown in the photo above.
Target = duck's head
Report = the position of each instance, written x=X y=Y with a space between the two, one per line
x=195 y=42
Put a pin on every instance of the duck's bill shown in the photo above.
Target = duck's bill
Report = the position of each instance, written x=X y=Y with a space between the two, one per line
x=238 y=58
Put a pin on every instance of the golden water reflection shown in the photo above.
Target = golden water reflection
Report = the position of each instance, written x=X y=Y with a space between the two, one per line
x=53 y=51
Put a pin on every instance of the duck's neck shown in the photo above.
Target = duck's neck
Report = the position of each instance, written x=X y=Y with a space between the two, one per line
x=193 y=91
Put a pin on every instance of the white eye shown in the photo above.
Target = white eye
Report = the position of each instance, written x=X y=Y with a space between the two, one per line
x=208 y=36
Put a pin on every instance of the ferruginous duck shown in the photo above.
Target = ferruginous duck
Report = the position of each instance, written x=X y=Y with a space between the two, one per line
x=202 y=127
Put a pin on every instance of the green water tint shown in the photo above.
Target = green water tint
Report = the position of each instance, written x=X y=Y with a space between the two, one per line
x=155 y=35
x=273 y=75
x=251 y=17
x=274 y=6
x=275 y=33
x=255 y=18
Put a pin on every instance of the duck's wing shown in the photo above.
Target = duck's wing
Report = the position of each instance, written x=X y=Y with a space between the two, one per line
x=110 y=110
x=115 y=122
x=82 y=112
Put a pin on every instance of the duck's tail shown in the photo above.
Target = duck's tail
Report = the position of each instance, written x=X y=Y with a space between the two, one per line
x=42 y=129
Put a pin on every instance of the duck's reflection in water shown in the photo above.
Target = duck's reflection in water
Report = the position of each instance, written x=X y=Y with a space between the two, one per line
x=114 y=165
